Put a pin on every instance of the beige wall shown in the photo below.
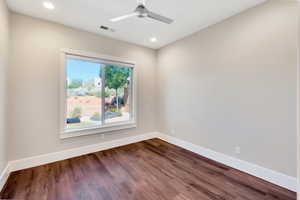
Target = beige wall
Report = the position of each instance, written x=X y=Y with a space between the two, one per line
x=298 y=104
x=234 y=84
x=4 y=47
x=34 y=84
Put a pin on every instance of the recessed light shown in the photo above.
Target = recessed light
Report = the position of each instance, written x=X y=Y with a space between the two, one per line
x=49 y=5
x=153 y=39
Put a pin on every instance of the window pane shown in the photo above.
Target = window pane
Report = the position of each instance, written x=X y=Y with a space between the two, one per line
x=83 y=94
x=117 y=93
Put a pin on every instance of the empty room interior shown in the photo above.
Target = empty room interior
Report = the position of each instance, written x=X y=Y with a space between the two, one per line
x=149 y=99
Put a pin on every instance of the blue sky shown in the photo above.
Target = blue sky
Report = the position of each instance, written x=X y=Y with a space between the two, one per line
x=78 y=69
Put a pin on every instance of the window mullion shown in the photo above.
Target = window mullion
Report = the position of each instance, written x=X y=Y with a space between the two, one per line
x=103 y=95
x=131 y=93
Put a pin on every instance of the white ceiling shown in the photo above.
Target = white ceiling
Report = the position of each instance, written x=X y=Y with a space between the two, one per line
x=190 y=16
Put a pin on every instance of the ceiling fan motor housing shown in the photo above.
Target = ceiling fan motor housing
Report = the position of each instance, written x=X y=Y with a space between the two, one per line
x=142 y=10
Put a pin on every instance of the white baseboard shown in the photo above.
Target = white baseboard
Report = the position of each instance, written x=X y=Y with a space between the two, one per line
x=70 y=153
x=255 y=170
x=269 y=175
x=4 y=176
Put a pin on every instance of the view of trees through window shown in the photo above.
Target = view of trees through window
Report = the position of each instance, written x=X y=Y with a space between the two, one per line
x=90 y=103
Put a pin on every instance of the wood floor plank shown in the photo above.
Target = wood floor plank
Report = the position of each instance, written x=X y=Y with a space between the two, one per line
x=148 y=170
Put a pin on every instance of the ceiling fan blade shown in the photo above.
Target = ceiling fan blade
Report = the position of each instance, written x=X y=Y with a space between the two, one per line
x=158 y=17
x=124 y=17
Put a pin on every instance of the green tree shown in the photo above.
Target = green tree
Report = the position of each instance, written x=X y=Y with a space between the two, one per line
x=115 y=78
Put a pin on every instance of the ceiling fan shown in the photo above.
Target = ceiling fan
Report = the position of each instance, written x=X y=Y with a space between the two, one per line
x=141 y=11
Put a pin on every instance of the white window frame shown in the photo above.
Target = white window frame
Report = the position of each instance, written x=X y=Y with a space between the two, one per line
x=104 y=59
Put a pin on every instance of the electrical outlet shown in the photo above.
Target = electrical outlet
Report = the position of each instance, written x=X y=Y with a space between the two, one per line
x=237 y=150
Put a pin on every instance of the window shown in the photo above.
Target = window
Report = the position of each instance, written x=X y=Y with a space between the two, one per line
x=97 y=94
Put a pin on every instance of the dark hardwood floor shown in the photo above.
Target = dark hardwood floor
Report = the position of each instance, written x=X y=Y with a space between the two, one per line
x=152 y=169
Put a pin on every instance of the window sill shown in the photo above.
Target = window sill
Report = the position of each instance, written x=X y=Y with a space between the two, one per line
x=96 y=130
